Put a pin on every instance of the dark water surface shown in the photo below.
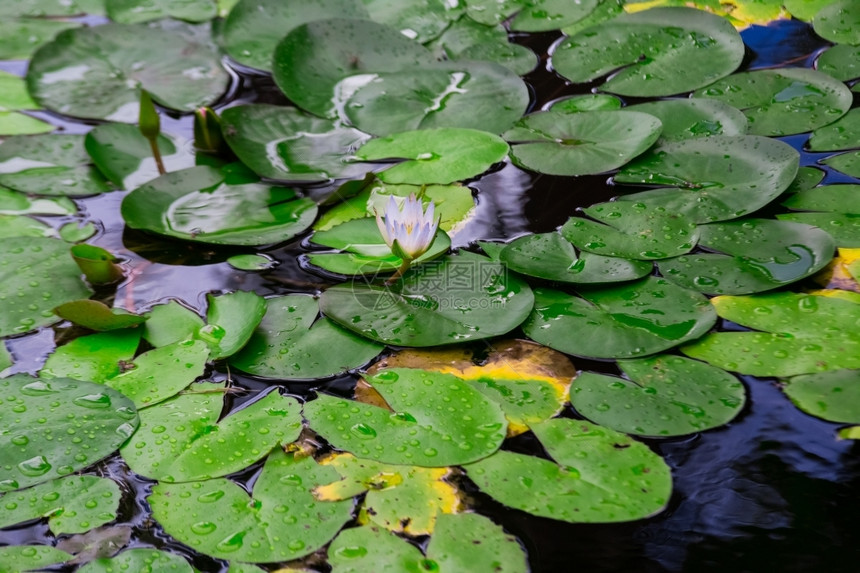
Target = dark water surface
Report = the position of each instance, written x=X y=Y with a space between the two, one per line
x=772 y=491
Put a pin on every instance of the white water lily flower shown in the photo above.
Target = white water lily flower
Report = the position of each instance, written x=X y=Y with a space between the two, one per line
x=408 y=230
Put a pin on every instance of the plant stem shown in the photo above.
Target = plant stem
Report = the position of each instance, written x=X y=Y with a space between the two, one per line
x=403 y=268
x=156 y=153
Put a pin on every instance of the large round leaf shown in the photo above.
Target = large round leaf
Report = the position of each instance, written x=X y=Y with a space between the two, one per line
x=292 y=343
x=422 y=429
x=185 y=438
x=140 y=559
x=664 y=51
x=834 y=208
x=135 y=11
x=601 y=476
x=283 y=143
x=582 y=143
x=625 y=321
x=52 y=428
x=839 y=22
x=548 y=15
x=783 y=101
x=752 y=255
x=209 y=205
x=312 y=61
x=841 y=62
x=279 y=521
x=421 y=20
x=833 y=396
x=713 y=178
x=549 y=256
x=97 y=72
x=22 y=36
x=466 y=39
x=36 y=274
x=453 y=299
x=689 y=118
x=842 y=134
x=662 y=396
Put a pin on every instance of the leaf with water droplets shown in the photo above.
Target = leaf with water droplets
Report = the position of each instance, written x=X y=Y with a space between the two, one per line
x=798 y=334
x=841 y=62
x=171 y=322
x=135 y=11
x=281 y=520
x=72 y=504
x=420 y=428
x=690 y=118
x=140 y=559
x=96 y=315
x=663 y=395
x=58 y=426
x=231 y=319
x=833 y=396
x=598 y=476
x=93 y=357
x=839 y=22
x=466 y=39
x=23 y=36
x=17 y=558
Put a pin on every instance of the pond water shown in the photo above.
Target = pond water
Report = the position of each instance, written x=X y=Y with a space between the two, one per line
x=772 y=490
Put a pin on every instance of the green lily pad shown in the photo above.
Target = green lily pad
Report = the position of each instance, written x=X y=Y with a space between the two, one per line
x=848 y=163
x=548 y=15
x=43 y=8
x=549 y=256
x=171 y=322
x=88 y=423
x=140 y=559
x=94 y=357
x=841 y=62
x=405 y=499
x=456 y=298
x=23 y=226
x=23 y=36
x=462 y=542
x=783 y=101
x=14 y=203
x=252 y=262
x=833 y=396
x=420 y=20
x=291 y=343
x=625 y=321
x=14 y=123
x=183 y=439
x=160 y=373
x=312 y=65
x=76 y=232
x=209 y=205
x=489 y=12
x=284 y=143
x=231 y=319
x=599 y=475
x=805 y=9
x=365 y=251
x=420 y=430
x=751 y=255
x=843 y=134
x=96 y=315
x=839 y=22
x=72 y=504
x=806 y=178
x=661 y=52
x=6 y=359
x=833 y=208
x=136 y=11
x=589 y=102
x=253 y=28
x=662 y=396
x=800 y=334
x=37 y=275
x=689 y=118
x=439 y=156
x=605 y=10
x=581 y=143
x=17 y=558
x=97 y=72
x=13 y=93
x=124 y=155
x=460 y=94
x=632 y=230
x=712 y=178
x=466 y=39
x=265 y=526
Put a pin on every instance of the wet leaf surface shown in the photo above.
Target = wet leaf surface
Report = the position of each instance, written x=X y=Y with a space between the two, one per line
x=93 y=357
x=833 y=396
x=140 y=559
x=17 y=558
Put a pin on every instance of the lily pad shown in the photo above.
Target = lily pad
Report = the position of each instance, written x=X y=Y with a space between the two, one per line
x=253 y=28
x=833 y=396
x=800 y=334
x=439 y=156
x=839 y=22
x=265 y=526
x=94 y=357
x=170 y=323
x=96 y=315
x=661 y=52
x=404 y=499
x=460 y=94
x=454 y=299
x=14 y=123
x=13 y=93
x=689 y=118
x=421 y=430
x=43 y=8
x=841 y=62
x=752 y=255
x=805 y=9
x=833 y=208
x=548 y=15
x=632 y=230
x=33 y=267
x=598 y=476
x=843 y=134
x=489 y=12
x=253 y=262
x=140 y=559
x=549 y=256
x=292 y=343
x=74 y=232
x=97 y=72
x=626 y=321
x=183 y=439
x=586 y=102
x=209 y=205
x=662 y=396
x=582 y=143
x=848 y=163
x=136 y=11
x=231 y=319
x=22 y=36
x=314 y=62
x=23 y=226
x=365 y=251
x=72 y=504
x=17 y=558
x=88 y=423
x=284 y=143
x=14 y=203
x=420 y=20
x=783 y=101
x=712 y=178
x=466 y=39
x=462 y=542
